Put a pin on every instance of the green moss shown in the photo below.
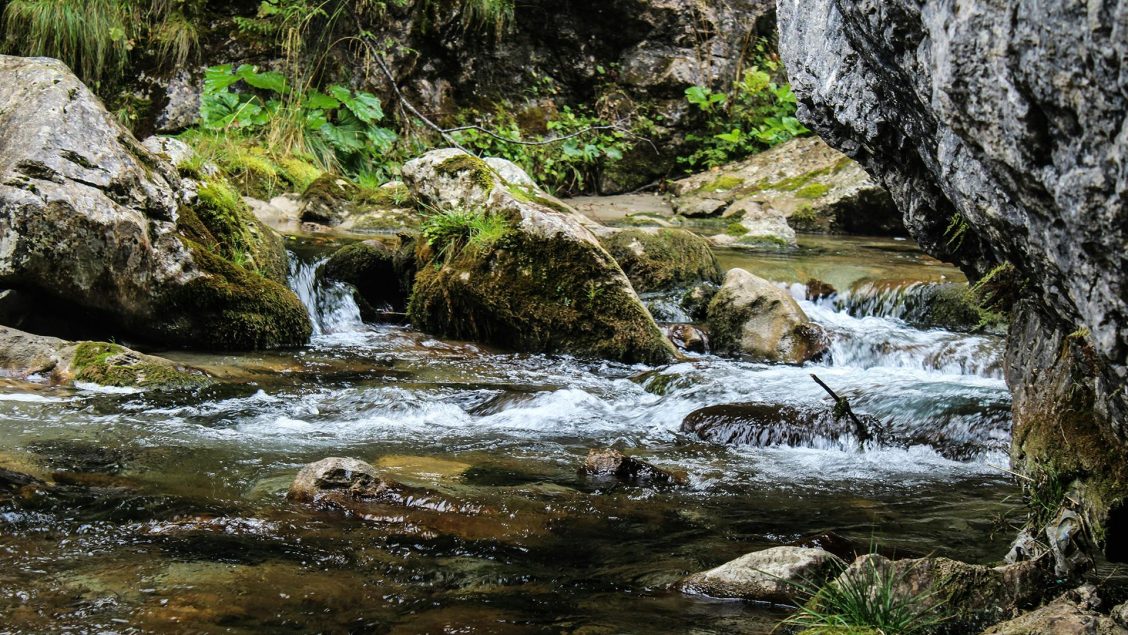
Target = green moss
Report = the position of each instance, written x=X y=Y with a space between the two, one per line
x=736 y=228
x=723 y=183
x=528 y=195
x=299 y=173
x=532 y=294
x=386 y=197
x=664 y=260
x=381 y=275
x=112 y=365
x=812 y=190
x=480 y=172
x=804 y=219
x=230 y=308
x=233 y=232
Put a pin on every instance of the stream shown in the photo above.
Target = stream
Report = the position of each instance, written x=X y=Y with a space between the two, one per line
x=173 y=516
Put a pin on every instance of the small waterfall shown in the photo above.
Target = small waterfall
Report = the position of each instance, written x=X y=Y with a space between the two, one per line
x=870 y=327
x=332 y=307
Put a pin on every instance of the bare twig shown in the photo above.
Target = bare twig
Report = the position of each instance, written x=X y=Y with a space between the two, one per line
x=843 y=406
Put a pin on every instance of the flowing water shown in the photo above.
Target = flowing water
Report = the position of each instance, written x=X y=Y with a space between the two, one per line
x=172 y=517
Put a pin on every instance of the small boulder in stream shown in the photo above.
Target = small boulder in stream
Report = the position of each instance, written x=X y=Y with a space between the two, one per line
x=780 y=575
x=539 y=281
x=382 y=275
x=611 y=463
x=754 y=318
x=768 y=424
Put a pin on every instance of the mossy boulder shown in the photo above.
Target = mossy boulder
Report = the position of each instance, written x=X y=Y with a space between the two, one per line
x=541 y=284
x=99 y=225
x=59 y=362
x=753 y=318
x=802 y=184
x=663 y=259
x=329 y=200
x=382 y=275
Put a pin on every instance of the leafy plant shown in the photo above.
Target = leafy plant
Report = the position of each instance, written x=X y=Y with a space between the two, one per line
x=868 y=598
x=571 y=165
x=757 y=113
x=449 y=231
x=339 y=127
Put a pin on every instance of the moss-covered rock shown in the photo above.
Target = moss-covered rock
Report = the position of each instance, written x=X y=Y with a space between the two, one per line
x=382 y=275
x=752 y=317
x=232 y=231
x=663 y=260
x=329 y=200
x=109 y=364
x=541 y=284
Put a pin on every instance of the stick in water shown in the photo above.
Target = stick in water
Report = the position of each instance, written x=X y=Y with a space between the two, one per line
x=841 y=405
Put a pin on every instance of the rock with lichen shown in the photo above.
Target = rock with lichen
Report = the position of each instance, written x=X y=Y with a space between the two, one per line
x=779 y=575
x=801 y=185
x=97 y=225
x=509 y=265
x=663 y=259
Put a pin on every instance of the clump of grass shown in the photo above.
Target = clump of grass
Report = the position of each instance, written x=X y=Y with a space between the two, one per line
x=449 y=231
x=90 y=36
x=177 y=40
x=864 y=599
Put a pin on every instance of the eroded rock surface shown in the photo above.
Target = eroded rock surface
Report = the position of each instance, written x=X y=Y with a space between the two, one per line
x=998 y=128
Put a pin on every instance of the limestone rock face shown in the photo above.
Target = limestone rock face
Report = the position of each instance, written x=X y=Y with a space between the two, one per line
x=752 y=317
x=803 y=184
x=92 y=221
x=779 y=574
x=998 y=128
x=543 y=283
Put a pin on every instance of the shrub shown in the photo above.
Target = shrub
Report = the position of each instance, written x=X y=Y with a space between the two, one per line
x=867 y=598
x=449 y=231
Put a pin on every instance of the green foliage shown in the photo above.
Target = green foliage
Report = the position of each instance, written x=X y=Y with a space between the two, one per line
x=90 y=36
x=957 y=228
x=97 y=37
x=1044 y=493
x=571 y=165
x=757 y=113
x=339 y=127
x=867 y=597
x=449 y=231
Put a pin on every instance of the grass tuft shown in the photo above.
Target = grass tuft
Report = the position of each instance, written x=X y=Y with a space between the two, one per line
x=449 y=231
x=90 y=36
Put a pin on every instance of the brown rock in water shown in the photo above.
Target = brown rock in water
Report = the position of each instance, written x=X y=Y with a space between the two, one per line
x=337 y=478
x=752 y=317
x=766 y=424
x=819 y=290
x=779 y=575
x=610 y=463
x=687 y=337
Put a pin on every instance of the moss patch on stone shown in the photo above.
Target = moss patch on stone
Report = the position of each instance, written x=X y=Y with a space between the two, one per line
x=230 y=308
x=812 y=190
x=108 y=364
x=723 y=183
x=480 y=172
x=552 y=295
x=233 y=232
x=664 y=260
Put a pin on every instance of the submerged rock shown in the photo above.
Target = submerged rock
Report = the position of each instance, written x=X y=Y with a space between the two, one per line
x=779 y=575
x=610 y=463
x=800 y=185
x=998 y=131
x=60 y=361
x=663 y=259
x=754 y=318
x=540 y=282
x=96 y=225
x=767 y=425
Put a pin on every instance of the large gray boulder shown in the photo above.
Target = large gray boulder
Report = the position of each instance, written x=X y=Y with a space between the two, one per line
x=93 y=222
x=998 y=128
x=754 y=318
x=540 y=282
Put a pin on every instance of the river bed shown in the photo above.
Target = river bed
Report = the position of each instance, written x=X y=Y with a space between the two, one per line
x=175 y=518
